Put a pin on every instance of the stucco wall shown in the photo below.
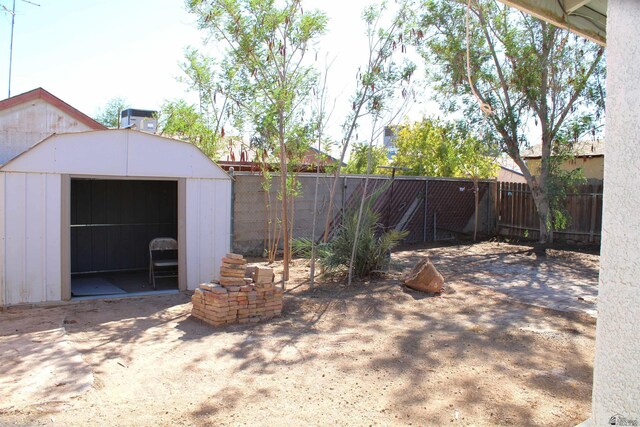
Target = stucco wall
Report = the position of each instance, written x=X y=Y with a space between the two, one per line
x=592 y=167
x=617 y=364
x=28 y=123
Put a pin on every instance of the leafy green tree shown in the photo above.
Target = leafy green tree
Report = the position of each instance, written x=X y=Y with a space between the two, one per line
x=181 y=120
x=201 y=76
x=521 y=70
x=435 y=148
x=263 y=71
x=477 y=163
x=359 y=156
x=109 y=115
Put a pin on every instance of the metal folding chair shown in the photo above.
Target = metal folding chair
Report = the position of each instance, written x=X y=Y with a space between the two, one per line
x=162 y=266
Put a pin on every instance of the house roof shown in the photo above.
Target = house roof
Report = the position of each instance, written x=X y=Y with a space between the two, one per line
x=592 y=148
x=234 y=149
x=506 y=169
x=42 y=94
x=329 y=156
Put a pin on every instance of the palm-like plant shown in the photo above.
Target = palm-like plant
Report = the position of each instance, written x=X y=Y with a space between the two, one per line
x=372 y=252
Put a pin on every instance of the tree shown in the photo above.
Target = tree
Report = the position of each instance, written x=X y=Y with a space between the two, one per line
x=263 y=71
x=377 y=83
x=477 y=163
x=359 y=156
x=521 y=70
x=109 y=115
x=435 y=148
x=181 y=120
x=201 y=76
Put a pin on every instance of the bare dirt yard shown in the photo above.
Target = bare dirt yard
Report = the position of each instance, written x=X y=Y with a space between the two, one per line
x=374 y=353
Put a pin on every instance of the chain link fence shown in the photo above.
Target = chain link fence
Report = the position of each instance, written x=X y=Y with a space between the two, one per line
x=428 y=208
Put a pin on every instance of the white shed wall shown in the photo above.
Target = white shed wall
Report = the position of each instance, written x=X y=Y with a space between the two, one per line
x=208 y=228
x=31 y=229
x=30 y=232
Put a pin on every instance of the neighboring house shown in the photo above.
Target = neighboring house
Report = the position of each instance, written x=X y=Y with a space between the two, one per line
x=244 y=156
x=389 y=141
x=509 y=175
x=588 y=155
x=28 y=118
x=509 y=170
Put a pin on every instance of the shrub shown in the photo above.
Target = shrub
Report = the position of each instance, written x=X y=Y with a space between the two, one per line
x=373 y=250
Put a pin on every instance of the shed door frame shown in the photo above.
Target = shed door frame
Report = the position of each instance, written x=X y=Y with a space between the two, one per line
x=65 y=239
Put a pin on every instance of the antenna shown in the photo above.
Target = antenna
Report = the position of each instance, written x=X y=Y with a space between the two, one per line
x=13 y=21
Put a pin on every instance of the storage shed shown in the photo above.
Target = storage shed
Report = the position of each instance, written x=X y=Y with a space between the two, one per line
x=88 y=204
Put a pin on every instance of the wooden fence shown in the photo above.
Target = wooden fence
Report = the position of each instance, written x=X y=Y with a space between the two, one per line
x=518 y=217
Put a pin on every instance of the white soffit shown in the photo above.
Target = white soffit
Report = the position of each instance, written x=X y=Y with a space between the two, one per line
x=585 y=17
x=116 y=152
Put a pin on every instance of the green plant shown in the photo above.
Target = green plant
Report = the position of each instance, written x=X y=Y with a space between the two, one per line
x=372 y=253
x=560 y=183
x=359 y=159
x=521 y=70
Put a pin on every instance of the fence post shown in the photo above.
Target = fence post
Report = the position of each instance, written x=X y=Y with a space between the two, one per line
x=435 y=227
x=344 y=191
x=426 y=205
x=495 y=193
x=594 y=199
x=500 y=187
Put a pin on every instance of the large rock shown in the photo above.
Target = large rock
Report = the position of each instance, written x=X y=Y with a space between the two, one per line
x=424 y=277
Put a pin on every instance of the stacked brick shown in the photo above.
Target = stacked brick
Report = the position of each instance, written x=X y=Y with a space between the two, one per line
x=236 y=298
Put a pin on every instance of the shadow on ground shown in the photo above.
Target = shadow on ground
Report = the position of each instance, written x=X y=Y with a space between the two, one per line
x=373 y=353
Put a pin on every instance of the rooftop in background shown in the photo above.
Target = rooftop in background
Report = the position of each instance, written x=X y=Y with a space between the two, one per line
x=27 y=118
x=245 y=156
x=42 y=94
x=592 y=148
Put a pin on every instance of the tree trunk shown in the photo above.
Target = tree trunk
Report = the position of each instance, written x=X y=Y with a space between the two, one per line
x=542 y=206
x=540 y=197
x=285 y=208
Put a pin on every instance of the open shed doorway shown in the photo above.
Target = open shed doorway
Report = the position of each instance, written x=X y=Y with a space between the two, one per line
x=112 y=223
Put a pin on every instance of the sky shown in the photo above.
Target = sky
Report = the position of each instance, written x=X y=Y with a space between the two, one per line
x=88 y=52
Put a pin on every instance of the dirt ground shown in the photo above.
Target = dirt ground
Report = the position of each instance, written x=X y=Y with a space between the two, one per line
x=374 y=353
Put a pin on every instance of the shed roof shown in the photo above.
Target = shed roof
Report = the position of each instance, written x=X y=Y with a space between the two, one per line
x=42 y=94
x=116 y=152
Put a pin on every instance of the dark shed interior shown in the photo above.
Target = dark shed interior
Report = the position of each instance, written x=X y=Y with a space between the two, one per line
x=112 y=223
